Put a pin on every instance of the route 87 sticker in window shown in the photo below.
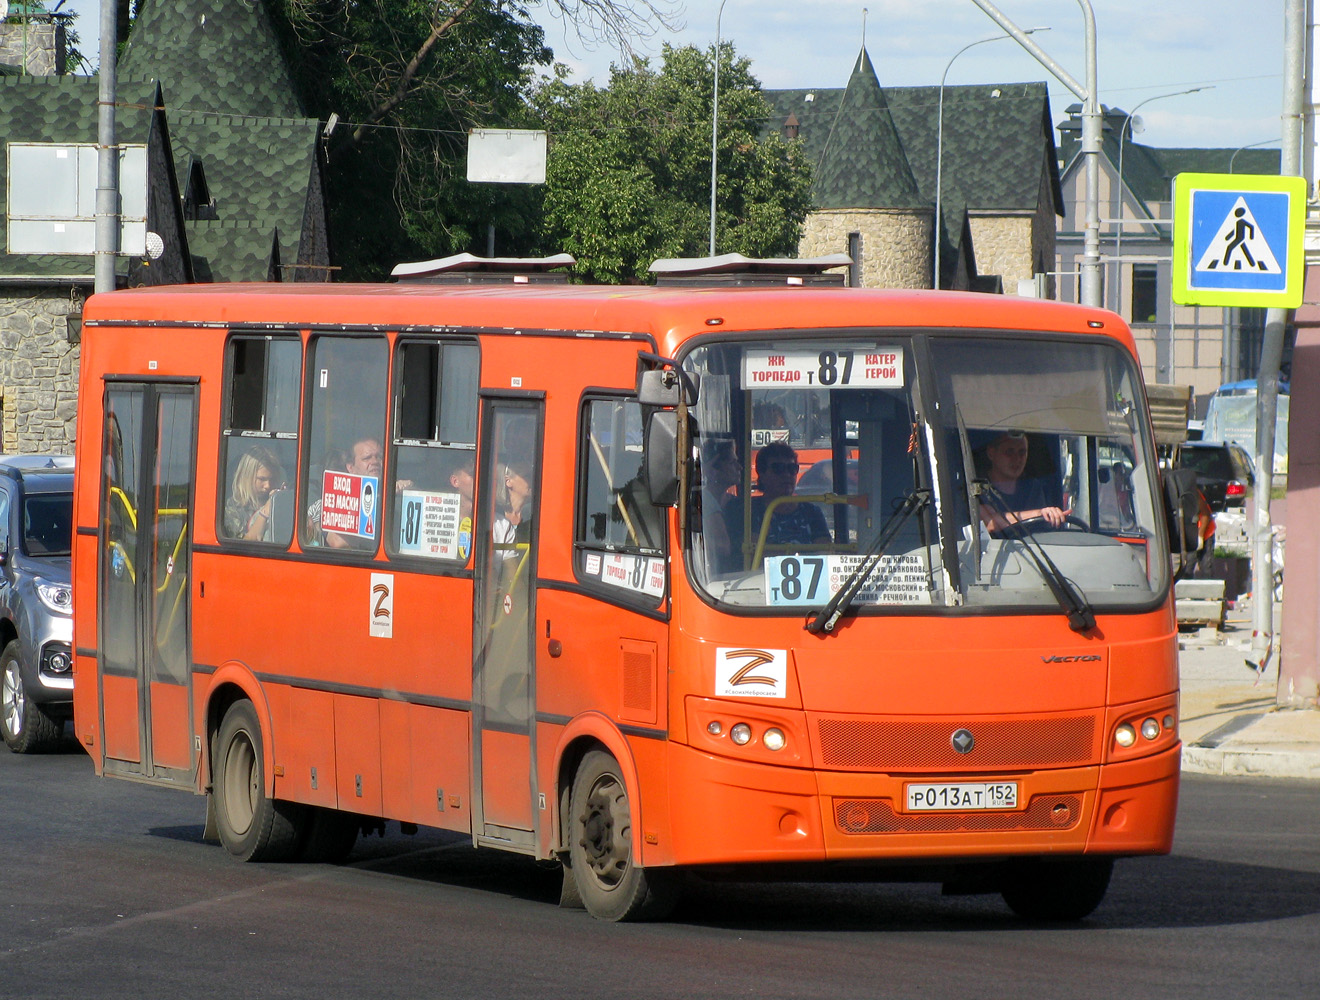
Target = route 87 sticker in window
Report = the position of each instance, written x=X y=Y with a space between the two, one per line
x=813 y=580
x=751 y=672
x=641 y=574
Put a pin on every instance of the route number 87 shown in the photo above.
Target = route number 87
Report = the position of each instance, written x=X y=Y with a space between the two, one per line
x=799 y=578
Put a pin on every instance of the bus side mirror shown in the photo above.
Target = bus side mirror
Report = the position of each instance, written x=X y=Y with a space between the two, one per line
x=664 y=386
x=662 y=457
x=1181 y=508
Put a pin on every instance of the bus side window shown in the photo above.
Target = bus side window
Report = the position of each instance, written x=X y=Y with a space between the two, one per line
x=342 y=481
x=620 y=535
x=259 y=446
x=434 y=449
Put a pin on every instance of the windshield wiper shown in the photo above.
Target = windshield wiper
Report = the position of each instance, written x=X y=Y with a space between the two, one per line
x=1074 y=605
x=827 y=617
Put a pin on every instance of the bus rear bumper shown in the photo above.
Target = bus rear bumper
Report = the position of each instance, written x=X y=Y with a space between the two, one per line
x=729 y=812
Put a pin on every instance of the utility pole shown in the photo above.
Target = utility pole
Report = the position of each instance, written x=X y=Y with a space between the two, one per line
x=1092 y=127
x=107 y=158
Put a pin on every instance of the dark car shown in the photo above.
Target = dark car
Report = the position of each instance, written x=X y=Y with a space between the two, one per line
x=1224 y=471
x=36 y=624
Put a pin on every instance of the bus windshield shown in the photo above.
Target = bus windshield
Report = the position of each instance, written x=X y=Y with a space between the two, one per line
x=994 y=470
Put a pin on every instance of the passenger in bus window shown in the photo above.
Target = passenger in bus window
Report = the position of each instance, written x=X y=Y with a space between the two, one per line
x=461 y=481
x=1024 y=499
x=791 y=523
x=257 y=479
x=365 y=457
x=512 y=523
x=720 y=472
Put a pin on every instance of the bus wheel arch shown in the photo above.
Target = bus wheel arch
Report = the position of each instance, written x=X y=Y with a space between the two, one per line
x=252 y=825
x=607 y=875
x=234 y=682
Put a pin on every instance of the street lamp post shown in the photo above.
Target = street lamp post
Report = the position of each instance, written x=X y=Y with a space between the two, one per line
x=1122 y=145
x=1091 y=134
x=714 y=124
x=939 y=143
x=1250 y=145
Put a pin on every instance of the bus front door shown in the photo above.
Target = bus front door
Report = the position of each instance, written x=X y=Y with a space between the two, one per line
x=504 y=681
x=144 y=638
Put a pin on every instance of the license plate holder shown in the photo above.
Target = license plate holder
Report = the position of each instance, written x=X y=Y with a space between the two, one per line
x=962 y=796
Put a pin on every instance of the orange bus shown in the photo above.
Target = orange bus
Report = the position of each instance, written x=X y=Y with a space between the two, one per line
x=516 y=559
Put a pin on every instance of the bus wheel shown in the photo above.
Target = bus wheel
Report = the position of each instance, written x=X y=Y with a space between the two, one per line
x=330 y=836
x=1057 y=890
x=252 y=827
x=611 y=884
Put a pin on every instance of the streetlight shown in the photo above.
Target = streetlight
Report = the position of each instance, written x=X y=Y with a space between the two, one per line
x=1251 y=145
x=1091 y=134
x=714 y=122
x=1122 y=145
x=939 y=143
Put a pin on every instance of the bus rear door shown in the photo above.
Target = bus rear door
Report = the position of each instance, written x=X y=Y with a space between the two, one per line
x=145 y=637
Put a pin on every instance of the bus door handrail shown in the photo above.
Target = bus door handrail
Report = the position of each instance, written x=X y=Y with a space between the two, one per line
x=828 y=499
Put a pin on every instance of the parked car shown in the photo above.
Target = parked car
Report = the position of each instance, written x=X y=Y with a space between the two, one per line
x=1224 y=471
x=36 y=601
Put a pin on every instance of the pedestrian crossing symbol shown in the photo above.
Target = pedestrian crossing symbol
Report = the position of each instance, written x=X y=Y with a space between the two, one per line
x=1237 y=240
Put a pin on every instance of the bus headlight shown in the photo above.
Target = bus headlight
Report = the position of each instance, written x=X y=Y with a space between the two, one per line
x=741 y=734
x=1150 y=729
x=774 y=739
x=1125 y=735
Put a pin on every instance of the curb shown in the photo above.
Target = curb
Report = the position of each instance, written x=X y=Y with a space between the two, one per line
x=1250 y=762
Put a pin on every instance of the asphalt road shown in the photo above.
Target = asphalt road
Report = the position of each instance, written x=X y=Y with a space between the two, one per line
x=108 y=891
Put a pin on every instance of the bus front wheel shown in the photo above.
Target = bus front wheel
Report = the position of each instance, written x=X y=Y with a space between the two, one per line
x=252 y=826
x=1065 y=889
x=610 y=883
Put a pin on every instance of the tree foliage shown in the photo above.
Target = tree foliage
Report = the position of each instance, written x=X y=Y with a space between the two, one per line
x=408 y=80
x=628 y=177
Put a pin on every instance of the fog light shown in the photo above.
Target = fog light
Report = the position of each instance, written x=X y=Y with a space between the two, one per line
x=1168 y=722
x=741 y=734
x=59 y=663
x=715 y=728
x=1125 y=735
x=774 y=739
x=1150 y=729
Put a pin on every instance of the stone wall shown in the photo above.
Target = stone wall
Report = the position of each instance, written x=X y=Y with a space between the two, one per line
x=897 y=249
x=36 y=42
x=1003 y=246
x=38 y=370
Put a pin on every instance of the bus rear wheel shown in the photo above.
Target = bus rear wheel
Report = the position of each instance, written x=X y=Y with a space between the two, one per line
x=1057 y=890
x=252 y=826
x=603 y=866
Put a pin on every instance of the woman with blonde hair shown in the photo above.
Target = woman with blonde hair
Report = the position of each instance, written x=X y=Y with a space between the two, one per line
x=256 y=480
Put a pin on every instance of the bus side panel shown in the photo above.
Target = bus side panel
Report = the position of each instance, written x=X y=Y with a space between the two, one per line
x=424 y=765
x=305 y=748
x=357 y=753
x=119 y=701
x=171 y=735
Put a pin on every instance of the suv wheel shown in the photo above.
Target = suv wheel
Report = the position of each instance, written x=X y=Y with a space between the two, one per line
x=25 y=725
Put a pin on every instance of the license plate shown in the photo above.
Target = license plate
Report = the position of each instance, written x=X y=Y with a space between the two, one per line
x=963 y=796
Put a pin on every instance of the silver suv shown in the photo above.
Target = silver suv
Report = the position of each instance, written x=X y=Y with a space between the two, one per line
x=36 y=605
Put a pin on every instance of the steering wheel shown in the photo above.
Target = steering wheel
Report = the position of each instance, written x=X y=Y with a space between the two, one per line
x=1031 y=525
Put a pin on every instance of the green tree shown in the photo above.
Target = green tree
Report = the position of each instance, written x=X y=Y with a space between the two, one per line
x=408 y=79
x=628 y=177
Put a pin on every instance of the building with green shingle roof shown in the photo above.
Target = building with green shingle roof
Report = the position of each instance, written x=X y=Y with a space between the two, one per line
x=234 y=188
x=876 y=151
x=1198 y=346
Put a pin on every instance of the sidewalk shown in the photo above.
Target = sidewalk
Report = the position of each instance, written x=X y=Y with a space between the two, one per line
x=1229 y=724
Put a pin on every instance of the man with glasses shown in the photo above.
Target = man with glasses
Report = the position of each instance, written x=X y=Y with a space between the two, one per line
x=791 y=523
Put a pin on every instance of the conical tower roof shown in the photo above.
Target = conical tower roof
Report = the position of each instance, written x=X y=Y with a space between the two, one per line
x=212 y=55
x=863 y=163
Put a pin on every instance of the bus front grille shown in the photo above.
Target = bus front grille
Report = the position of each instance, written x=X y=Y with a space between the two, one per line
x=1045 y=812
x=927 y=745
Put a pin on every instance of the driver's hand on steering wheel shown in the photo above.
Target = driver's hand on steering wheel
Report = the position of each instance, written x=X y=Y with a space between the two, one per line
x=1055 y=515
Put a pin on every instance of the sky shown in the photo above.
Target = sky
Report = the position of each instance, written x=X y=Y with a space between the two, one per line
x=1145 y=49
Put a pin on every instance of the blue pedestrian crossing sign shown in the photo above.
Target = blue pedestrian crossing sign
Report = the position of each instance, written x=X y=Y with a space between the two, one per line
x=1237 y=240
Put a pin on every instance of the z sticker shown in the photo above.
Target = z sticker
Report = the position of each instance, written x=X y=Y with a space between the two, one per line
x=747 y=672
x=381 y=620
